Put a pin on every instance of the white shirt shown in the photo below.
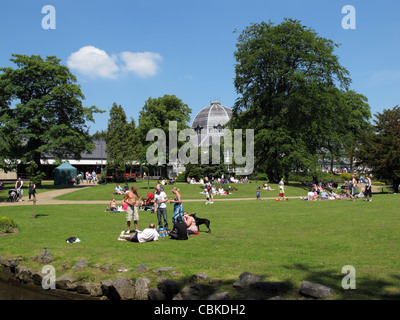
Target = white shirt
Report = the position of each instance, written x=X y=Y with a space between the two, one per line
x=160 y=197
x=148 y=234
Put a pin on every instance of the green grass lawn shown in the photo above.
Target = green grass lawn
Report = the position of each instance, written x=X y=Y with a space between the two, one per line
x=280 y=241
x=187 y=191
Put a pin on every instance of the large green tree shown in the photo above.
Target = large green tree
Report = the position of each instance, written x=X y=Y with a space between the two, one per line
x=291 y=86
x=157 y=113
x=133 y=147
x=116 y=141
x=379 y=148
x=123 y=146
x=41 y=112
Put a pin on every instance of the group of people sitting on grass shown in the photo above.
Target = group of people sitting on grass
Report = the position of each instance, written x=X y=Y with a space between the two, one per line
x=181 y=229
x=119 y=190
x=319 y=193
x=220 y=180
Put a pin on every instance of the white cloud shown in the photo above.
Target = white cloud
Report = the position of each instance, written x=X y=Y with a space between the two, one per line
x=93 y=62
x=143 y=64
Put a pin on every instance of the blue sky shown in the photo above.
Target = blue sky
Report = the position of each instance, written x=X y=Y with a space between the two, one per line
x=127 y=51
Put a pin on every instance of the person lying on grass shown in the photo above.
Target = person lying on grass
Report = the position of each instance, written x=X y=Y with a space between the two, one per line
x=147 y=235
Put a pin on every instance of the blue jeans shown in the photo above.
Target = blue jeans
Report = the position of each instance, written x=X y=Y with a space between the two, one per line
x=162 y=212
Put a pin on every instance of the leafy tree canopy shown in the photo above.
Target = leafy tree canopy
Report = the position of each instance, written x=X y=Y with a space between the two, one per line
x=157 y=114
x=291 y=90
x=379 y=148
x=41 y=112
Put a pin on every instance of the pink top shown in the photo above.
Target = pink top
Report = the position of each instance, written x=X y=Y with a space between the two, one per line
x=191 y=223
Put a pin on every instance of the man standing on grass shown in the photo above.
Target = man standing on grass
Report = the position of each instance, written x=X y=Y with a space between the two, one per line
x=368 y=190
x=18 y=187
x=132 y=199
x=160 y=206
x=353 y=185
x=282 y=191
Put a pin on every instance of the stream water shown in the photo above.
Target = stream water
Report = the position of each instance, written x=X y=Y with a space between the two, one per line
x=12 y=292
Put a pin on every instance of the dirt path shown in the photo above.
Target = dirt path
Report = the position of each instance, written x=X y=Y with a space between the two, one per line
x=47 y=198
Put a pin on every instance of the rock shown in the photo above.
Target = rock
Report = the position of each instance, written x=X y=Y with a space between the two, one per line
x=95 y=290
x=155 y=294
x=66 y=282
x=163 y=269
x=18 y=270
x=24 y=274
x=105 y=285
x=44 y=257
x=198 y=277
x=142 y=268
x=245 y=279
x=13 y=262
x=80 y=264
x=83 y=287
x=276 y=298
x=315 y=290
x=118 y=289
x=91 y=288
x=6 y=274
x=219 y=296
x=106 y=267
x=192 y=292
x=168 y=287
x=141 y=288
x=37 y=278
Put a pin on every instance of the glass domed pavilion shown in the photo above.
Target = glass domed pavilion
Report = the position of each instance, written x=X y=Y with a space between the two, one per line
x=209 y=123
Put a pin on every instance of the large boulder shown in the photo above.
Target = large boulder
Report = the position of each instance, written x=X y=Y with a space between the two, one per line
x=168 y=287
x=142 y=288
x=245 y=280
x=191 y=292
x=315 y=290
x=66 y=282
x=118 y=289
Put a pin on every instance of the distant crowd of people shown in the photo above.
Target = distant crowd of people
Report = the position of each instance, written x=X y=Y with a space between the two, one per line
x=220 y=180
x=319 y=192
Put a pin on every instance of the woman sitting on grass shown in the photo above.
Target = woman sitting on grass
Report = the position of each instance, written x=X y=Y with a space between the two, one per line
x=113 y=206
x=191 y=223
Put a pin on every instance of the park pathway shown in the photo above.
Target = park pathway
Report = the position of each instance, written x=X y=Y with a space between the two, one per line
x=48 y=198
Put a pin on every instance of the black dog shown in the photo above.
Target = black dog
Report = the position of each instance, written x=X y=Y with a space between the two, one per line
x=200 y=221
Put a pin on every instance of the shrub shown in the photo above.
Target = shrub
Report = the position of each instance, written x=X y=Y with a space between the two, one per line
x=259 y=176
x=7 y=225
x=181 y=177
x=345 y=176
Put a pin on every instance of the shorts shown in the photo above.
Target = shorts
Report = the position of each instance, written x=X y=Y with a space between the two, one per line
x=282 y=195
x=132 y=212
x=134 y=238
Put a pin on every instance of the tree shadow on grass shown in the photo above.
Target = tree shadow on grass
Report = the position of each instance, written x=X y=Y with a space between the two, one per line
x=367 y=287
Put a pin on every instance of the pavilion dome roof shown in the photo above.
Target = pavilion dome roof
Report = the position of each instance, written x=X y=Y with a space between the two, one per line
x=211 y=120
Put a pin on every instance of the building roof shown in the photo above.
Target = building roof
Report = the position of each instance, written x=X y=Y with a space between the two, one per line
x=98 y=156
x=210 y=122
